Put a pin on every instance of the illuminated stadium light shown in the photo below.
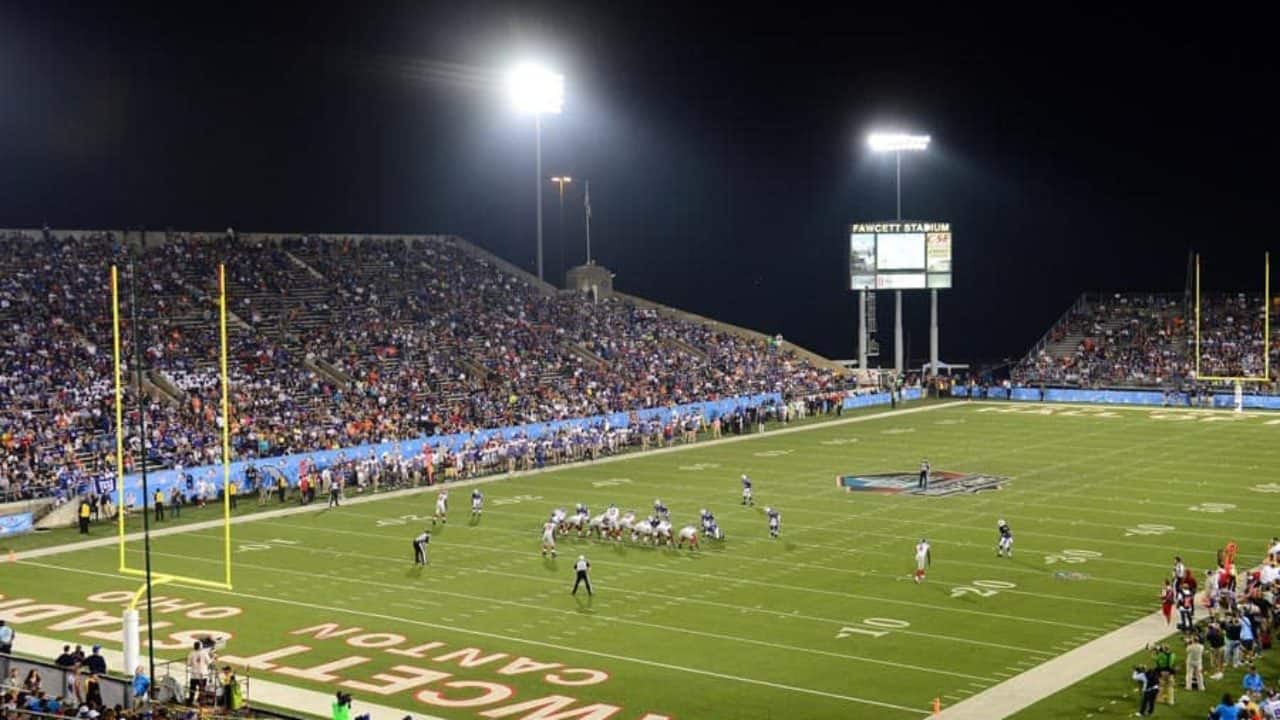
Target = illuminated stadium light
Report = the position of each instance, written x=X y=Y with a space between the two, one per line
x=897 y=142
x=536 y=90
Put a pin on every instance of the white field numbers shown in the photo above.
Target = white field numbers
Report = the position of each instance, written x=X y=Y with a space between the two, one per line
x=1148 y=529
x=265 y=545
x=875 y=627
x=1072 y=557
x=1212 y=507
x=982 y=588
x=611 y=482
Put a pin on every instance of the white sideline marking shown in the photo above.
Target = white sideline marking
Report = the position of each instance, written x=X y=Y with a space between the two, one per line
x=360 y=500
x=1023 y=690
x=518 y=640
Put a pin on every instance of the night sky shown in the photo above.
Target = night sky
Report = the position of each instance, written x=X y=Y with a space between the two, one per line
x=726 y=151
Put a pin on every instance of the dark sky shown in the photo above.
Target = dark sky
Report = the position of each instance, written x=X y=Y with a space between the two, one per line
x=1072 y=150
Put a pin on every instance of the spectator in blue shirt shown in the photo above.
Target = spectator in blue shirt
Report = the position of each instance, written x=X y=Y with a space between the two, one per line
x=1226 y=710
x=1253 y=682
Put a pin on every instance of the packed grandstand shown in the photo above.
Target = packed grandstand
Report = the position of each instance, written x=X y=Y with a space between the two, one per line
x=332 y=344
x=336 y=343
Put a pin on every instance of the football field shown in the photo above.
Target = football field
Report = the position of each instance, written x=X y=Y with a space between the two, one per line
x=823 y=622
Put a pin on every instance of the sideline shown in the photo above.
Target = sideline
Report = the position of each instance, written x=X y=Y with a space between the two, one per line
x=113 y=540
x=1107 y=406
x=1026 y=689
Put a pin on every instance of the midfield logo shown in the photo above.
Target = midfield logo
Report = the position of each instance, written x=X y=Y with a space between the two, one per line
x=941 y=482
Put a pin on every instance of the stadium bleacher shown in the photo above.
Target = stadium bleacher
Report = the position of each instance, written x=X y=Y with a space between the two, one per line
x=333 y=343
x=1124 y=340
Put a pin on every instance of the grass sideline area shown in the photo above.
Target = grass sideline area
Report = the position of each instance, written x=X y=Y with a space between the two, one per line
x=821 y=623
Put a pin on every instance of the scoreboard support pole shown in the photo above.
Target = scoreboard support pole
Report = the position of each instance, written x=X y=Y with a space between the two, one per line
x=933 y=333
x=862 y=329
x=897 y=332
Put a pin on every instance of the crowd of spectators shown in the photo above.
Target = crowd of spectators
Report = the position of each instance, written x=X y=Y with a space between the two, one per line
x=332 y=344
x=1144 y=340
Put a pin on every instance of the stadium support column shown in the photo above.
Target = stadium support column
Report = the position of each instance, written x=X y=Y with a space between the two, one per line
x=897 y=332
x=862 y=329
x=933 y=333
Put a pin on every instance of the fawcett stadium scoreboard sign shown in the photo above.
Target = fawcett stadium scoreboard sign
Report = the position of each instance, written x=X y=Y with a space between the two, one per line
x=899 y=255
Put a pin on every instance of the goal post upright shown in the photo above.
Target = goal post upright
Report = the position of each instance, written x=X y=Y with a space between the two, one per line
x=115 y=361
x=226 y=426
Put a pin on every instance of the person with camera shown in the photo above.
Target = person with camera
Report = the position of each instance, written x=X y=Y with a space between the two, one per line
x=342 y=706
x=1148 y=680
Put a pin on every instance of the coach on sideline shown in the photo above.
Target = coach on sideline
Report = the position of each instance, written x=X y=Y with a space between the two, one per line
x=580 y=568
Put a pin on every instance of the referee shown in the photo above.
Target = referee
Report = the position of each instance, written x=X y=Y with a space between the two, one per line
x=923 y=484
x=420 y=548
x=581 y=567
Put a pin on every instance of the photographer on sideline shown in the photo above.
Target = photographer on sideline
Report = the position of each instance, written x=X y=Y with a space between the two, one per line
x=342 y=706
x=1148 y=685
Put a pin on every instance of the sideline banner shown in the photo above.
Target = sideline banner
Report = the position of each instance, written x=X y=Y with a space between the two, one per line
x=16 y=524
x=288 y=465
x=1154 y=398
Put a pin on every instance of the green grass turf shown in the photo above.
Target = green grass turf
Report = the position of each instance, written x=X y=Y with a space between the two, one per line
x=823 y=623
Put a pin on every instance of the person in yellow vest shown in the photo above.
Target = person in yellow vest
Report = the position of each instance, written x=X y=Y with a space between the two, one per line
x=235 y=491
x=159 y=503
x=84 y=513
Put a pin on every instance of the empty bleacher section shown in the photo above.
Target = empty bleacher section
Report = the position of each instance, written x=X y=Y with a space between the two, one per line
x=334 y=341
x=1123 y=340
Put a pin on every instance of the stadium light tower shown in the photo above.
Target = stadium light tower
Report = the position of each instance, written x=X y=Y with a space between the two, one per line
x=536 y=91
x=561 y=181
x=898 y=143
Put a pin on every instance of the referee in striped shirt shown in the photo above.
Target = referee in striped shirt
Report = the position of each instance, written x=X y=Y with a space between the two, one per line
x=581 y=567
x=420 y=547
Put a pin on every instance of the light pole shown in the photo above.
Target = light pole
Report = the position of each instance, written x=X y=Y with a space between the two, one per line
x=536 y=91
x=897 y=143
x=561 y=180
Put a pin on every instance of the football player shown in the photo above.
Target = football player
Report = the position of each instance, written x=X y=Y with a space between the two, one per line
x=1004 y=548
x=746 y=491
x=549 y=538
x=442 y=508
x=688 y=534
x=775 y=521
x=477 y=502
x=923 y=558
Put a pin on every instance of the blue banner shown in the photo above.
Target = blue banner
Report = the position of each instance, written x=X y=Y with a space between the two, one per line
x=881 y=398
x=16 y=524
x=1150 y=398
x=288 y=466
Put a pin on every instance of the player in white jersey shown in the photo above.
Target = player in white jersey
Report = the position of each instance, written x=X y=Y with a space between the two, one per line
x=477 y=502
x=1005 y=546
x=626 y=522
x=645 y=529
x=574 y=522
x=612 y=513
x=442 y=508
x=663 y=532
x=923 y=558
x=688 y=534
x=746 y=491
x=775 y=522
x=557 y=518
x=549 y=538
x=598 y=525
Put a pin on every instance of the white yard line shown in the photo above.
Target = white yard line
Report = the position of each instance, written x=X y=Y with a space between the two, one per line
x=317 y=507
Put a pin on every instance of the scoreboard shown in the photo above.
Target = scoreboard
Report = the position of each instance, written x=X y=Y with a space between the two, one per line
x=900 y=255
